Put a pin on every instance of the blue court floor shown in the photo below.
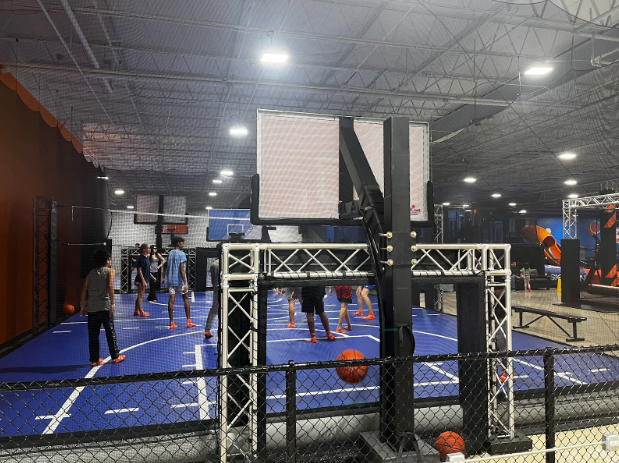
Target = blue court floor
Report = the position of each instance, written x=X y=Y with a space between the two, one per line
x=150 y=346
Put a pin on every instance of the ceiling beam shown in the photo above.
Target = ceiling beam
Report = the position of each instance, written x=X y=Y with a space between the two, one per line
x=281 y=86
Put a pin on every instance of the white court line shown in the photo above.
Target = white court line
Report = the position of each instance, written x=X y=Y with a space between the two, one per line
x=189 y=353
x=65 y=331
x=201 y=384
x=431 y=366
x=190 y=366
x=131 y=328
x=62 y=413
x=325 y=339
x=599 y=370
x=122 y=410
x=193 y=296
x=562 y=375
x=184 y=406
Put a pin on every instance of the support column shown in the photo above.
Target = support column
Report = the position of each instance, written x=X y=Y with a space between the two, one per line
x=397 y=391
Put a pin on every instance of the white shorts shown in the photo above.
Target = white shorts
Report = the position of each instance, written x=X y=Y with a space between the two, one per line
x=177 y=289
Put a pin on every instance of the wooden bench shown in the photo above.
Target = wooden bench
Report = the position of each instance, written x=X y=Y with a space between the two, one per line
x=573 y=319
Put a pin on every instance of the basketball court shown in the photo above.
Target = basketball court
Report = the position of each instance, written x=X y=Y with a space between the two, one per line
x=59 y=354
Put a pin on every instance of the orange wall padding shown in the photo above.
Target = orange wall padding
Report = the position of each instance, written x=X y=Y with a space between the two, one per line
x=38 y=160
x=33 y=104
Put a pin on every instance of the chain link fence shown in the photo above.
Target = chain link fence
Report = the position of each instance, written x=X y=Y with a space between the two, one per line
x=327 y=411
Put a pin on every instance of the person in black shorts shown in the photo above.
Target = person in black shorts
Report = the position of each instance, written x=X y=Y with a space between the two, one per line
x=313 y=303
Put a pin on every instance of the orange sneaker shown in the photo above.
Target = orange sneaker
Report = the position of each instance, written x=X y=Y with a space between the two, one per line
x=370 y=317
x=96 y=364
x=190 y=325
x=208 y=334
x=313 y=340
x=340 y=330
x=136 y=313
x=119 y=359
x=359 y=313
x=330 y=337
x=349 y=328
x=173 y=326
x=144 y=314
x=291 y=325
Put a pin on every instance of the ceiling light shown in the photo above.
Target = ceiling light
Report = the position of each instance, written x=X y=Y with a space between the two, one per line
x=238 y=131
x=277 y=58
x=130 y=207
x=227 y=173
x=523 y=211
x=104 y=178
x=567 y=156
x=119 y=192
x=208 y=208
x=512 y=204
x=446 y=204
x=466 y=205
x=538 y=70
x=212 y=193
x=470 y=179
x=573 y=196
x=496 y=195
x=217 y=180
x=570 y=182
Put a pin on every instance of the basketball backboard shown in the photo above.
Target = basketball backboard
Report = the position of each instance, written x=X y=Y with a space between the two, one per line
x=298 y=163
x=222 y=223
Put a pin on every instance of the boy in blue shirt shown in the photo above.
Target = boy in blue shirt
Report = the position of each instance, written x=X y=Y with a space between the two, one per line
x=177 y=279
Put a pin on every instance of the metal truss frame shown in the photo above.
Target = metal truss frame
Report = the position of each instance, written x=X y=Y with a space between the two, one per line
x=571 y=206
x=438 y=237
x=492 y=261
x=126 y=253
x=244 y=265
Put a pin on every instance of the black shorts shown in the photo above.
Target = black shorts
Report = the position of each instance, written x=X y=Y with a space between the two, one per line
x=313 y=300
x=348 y=300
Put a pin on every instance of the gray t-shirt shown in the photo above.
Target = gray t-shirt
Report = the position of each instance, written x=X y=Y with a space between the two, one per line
x=526 y=273
x=98 y=296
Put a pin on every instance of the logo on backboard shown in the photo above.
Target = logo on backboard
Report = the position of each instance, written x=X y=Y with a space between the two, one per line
x=415 y=211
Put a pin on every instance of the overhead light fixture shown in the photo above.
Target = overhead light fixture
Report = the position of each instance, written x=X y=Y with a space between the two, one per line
x=119 y=192
x=512 y=204
x=573 y=196
x=104 y=178
x=238 y=131
x=208 y=208
x=523 y=211
x=227 y=173
x=538 y=70
x=130 y=207
x=466 y=205
x=496 y=195
x=212 y=193
x=446 y=204
x=217 y=180
x=470 y=179
x=567 y=156
x=274 y=58
x=571 y=182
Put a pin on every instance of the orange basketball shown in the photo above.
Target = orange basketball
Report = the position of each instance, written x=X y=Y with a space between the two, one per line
x=352 y=374
x=449 y=442
x=68 y=309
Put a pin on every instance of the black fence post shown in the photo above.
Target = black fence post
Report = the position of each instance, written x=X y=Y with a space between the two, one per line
x=291 y=413
x=549 y=402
